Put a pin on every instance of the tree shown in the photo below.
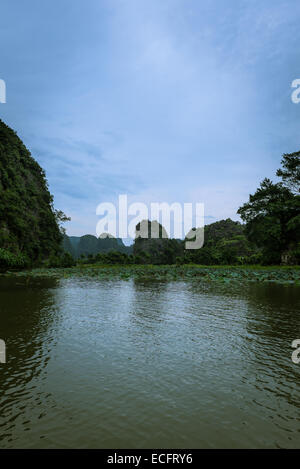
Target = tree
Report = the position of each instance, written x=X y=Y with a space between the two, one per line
x=290 y=173
x=61 y=218
x=272 y=214
x=224 y=243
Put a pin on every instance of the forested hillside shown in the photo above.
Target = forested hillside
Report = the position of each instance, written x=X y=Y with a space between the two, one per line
x=29 y=232
x=89 y=245
x=225 y=243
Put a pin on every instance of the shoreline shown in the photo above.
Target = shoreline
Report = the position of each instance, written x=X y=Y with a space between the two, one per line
x=285 y=275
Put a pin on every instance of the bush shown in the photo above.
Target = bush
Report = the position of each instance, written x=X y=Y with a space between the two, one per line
x=8 y=260
x=67 y=260
x=54 y=262
x=254 y=259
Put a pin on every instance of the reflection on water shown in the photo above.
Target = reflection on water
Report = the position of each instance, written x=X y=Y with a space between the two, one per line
x=119 y=364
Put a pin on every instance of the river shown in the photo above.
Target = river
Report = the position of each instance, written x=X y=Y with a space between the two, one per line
x=132 y=364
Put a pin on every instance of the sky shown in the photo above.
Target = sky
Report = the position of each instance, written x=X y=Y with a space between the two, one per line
x=162 y=100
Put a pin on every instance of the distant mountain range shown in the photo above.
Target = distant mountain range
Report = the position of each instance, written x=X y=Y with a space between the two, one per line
x=225 y=242
x=83 y=246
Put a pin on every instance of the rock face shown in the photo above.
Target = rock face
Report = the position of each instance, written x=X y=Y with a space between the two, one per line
x=28 y=224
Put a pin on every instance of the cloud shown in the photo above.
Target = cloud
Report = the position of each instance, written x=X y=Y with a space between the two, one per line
x=164 y=101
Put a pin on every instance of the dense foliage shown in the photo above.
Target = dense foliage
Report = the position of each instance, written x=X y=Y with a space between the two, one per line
x=29 y=231
x=290 y=171
x=152 y=246
x=272 y=215
x=225 y=243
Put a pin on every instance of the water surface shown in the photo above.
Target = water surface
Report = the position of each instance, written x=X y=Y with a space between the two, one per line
x=131 y=364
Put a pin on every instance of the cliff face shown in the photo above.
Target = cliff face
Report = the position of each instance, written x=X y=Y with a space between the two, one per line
x=28 y=224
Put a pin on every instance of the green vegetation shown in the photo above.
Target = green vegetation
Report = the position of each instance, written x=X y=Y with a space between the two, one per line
x=159 y=250
x=272 y=215
x=284 y=275
x=89 y=245
x=225 y=243
x=8 y=260
x=29 y=225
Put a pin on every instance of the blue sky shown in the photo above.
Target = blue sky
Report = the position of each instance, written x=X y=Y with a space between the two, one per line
x=163 y=100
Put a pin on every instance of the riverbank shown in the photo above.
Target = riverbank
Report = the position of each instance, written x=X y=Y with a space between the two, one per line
x=286 y=275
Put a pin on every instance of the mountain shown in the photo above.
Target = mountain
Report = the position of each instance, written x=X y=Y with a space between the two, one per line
x=223 y=229
x=153 y=245
x=29 y=231
x=225 y=242
x=74 y=240
x=67 y=245
x=88 y=245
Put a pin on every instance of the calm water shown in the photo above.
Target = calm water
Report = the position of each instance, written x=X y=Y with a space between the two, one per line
x=116 y=364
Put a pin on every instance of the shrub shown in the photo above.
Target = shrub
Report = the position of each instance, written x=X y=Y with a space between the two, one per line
x=8 y=260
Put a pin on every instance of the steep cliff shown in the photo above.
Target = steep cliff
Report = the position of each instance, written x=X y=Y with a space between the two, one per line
x=28 y=227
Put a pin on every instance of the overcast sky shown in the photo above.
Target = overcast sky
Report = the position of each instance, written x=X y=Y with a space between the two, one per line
x=163 y=100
